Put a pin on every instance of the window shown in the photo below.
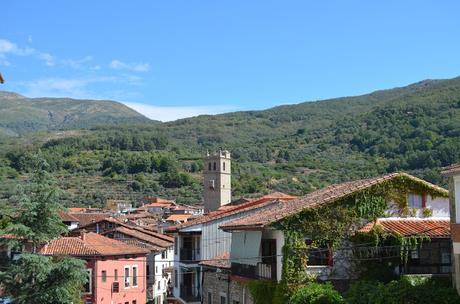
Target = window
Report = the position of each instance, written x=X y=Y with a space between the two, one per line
x=209 y=167
x=156 y=269
x=115 y=275
x=104 y=276
x=115 y=287
x=176 y=244
x=88 y=288
x=134 y=302
x=159 y=285
x=215 y=167
x=223 y=299
x=134 y=275
x=127 y=279
x=235 y=302
x=223 y=166
x=415 y=200
x=109 y=225
x=176 y=278
x=163 y=255
x=209 y=297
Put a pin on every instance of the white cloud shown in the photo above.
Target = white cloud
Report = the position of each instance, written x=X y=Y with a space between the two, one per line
x=8 y=47
x=164 y=113
x=63 y=87
x=29 y=39
x=78 y=87
x=78 y=64
x=135 y=67
x=47 y=58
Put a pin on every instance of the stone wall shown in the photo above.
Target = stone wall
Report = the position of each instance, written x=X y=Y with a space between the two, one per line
x=217 y=284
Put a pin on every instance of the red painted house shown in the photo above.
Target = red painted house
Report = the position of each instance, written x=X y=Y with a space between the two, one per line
x=116 y=270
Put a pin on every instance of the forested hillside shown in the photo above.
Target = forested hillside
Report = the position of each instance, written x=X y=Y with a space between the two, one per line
x=294 y=148
x=20 y=115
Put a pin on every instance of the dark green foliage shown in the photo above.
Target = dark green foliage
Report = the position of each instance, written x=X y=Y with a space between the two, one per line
x=405 y=290
x=34 y=278
x=294 y=149
x=315 y=293
x=41 y=279
x=37 y=217
x=263 y=292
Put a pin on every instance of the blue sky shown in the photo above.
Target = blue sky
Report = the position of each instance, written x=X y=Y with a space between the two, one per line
x=172 y=59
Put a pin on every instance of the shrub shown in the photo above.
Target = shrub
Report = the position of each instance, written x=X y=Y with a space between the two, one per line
x=406 y=290
x=315 y=293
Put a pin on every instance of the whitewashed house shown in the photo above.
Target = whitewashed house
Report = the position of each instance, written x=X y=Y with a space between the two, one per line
x=201 y=239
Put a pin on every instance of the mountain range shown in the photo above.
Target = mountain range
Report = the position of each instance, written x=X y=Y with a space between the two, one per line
x=115 y=152
x=19 y=114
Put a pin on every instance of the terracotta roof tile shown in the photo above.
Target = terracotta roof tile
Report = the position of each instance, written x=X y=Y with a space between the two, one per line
x=67 y=217
x=436 y=228
x=139 y=243
x=178 y=217
x=451 y=170
x=88 y=218
x=330 y=194
x=221 y=261
x=89 y=244
x=143 y=236
x=253 y=204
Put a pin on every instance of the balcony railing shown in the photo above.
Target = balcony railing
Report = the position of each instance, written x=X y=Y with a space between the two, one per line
x=189 y=293
x=189 y=255
x=260 y=271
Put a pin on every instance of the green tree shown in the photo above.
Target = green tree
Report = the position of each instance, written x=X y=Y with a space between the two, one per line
x=42 y=279
x=35 y=278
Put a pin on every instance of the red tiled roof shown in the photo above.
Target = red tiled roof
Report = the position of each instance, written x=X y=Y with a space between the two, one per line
x=253 y=204
x=145 y=237
x=139 y=243
x=435 y=228
x=451 y=170
x=88 y=218
x=178 y=217
x=89 y=244
x=67 y=217
x=221 y=261
x=77 y=209
x=330 y=194
x=132 y=226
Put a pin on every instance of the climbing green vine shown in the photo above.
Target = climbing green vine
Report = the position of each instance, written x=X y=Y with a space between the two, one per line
x=330 y=224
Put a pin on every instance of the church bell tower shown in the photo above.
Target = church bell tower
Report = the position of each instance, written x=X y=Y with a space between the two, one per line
x=217 y=180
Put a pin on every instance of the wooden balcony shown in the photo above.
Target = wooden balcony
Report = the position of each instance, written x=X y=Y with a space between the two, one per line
x=260 y=271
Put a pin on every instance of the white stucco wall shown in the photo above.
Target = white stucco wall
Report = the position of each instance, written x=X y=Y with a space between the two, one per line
x=438 y=205
x=279 y=236
x=246 y=247
x=161 y=262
